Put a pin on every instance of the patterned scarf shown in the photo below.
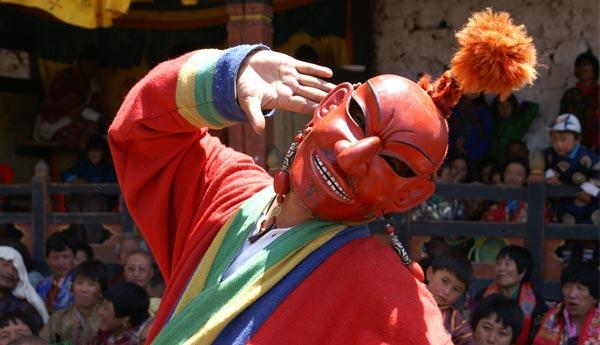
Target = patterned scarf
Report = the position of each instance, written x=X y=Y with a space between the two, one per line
x=526 y=302
x=552 y=329
x=210 y=303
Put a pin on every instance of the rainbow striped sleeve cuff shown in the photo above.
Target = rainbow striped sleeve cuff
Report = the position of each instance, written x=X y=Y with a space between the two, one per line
x=205 y=93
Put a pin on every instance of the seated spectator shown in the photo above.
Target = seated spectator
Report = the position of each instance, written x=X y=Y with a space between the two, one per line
x=16 y=294
x=123 y=311
x=583 y=100
x=79 y=323
x=91 y=168
x=83 y=252
x=470 y=128
x=576 y=319
x=139 y=270
x=569 y=162
x=447 y=279
x=513 y=270
x=515 y=175
x=14 y=325
x=516 y=149
x=33 y=274
x=511 y=121
x=484 y=170
x=127 y=243
x=56 y=288
x=69 y=112
x=497 y=320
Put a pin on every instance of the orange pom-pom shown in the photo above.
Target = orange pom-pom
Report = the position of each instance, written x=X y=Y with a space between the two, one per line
x=495 y=55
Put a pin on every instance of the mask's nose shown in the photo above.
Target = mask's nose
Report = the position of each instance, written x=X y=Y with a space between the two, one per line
x=355 y=157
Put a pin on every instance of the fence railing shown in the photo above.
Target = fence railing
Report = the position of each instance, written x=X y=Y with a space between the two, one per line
x=534 y=231
x=40 y=217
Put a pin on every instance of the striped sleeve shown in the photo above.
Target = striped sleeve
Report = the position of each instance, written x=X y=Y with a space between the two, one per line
x=205 y=92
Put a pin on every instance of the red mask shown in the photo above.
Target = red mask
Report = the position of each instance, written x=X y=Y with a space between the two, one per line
x=370 y=151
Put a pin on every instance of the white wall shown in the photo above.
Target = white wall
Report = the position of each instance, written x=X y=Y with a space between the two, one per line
x=411 y=37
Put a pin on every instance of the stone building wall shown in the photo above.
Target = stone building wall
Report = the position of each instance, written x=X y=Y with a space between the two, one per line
x=413 y=36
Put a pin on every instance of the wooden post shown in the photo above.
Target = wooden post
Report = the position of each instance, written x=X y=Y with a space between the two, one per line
x=39 y=190
x=127 y=221
x=250 y=22
x=536 y=195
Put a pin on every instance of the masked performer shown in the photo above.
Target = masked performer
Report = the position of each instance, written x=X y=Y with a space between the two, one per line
x=255 y=260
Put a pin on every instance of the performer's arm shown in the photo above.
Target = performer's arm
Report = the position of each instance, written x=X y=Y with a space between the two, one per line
x=177 y=180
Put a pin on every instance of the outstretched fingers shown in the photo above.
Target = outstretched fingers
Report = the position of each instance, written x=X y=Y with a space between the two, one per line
x=312 y=69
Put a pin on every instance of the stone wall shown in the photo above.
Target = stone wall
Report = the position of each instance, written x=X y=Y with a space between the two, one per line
x=413 y=36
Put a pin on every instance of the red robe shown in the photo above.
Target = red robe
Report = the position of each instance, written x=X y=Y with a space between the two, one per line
x=181 y=185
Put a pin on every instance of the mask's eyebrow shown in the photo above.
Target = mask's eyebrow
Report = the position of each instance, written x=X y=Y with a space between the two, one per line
x=416 y=148
x=376 y=100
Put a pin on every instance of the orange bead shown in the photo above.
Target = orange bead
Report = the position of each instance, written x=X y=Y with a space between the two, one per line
x=281 y=183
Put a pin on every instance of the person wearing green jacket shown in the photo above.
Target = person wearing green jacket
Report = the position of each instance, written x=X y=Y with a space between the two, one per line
x=511 y=121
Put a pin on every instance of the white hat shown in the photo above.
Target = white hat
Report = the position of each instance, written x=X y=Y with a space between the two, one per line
x=566 y=122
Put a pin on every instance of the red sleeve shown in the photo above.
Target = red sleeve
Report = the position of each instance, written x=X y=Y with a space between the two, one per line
x=179 y=183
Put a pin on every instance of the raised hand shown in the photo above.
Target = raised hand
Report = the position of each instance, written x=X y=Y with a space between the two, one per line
x=271 y=80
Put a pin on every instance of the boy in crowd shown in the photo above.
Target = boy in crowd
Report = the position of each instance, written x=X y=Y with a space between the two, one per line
x=569 y=162
x=55 y=289
x=448 y=277
x=576 y=319
x=497 y=320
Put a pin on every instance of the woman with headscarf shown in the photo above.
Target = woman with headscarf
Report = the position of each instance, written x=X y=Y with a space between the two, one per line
x=16 y=293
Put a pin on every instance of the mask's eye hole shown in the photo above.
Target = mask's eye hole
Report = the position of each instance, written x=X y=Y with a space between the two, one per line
x=357 y=114
x=399 y=167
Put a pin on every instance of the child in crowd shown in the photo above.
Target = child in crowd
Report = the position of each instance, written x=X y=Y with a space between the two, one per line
x=497 y=320
x=569 y=162
x=511 y=121
x=55 y=289
x=576 y=319
x=93 y=167
x=448 y=277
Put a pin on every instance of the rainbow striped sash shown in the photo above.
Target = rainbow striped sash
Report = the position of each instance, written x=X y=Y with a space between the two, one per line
x=209 y=303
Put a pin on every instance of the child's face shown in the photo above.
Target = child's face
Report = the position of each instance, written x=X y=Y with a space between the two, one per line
x=489 y=331
x=61 y=262
x=515 y=175
x=563 y=142
x=95 y=156
x=584 y=71
x=445 y=287
x=505 y=110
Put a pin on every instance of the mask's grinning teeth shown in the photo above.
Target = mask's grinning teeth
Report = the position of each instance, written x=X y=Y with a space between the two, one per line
x=331 y=182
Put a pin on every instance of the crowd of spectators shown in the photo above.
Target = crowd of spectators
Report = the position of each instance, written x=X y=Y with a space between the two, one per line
x=487 y=147
x=82 y=300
